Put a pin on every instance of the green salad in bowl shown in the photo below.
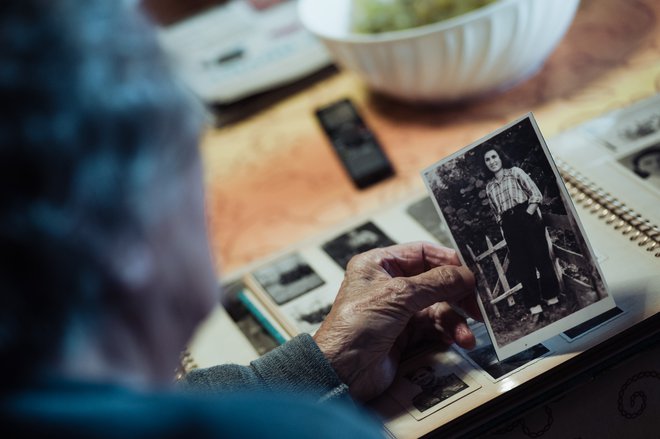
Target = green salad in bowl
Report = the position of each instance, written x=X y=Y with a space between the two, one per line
x=375 y=16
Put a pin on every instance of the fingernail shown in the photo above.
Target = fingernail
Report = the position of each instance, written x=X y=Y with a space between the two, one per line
x=463 y=329
x=467 y=339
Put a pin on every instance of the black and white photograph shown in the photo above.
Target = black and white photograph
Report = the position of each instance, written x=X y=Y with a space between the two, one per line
x=309 y=316
x=643 y=128
x=362 y=238
x=484 y=357
x=515 y=227
x=630 y=128
x=424 y=212
x=645 y=165
x=431 y=382
x=316 y=316
x=433 y=388
x=287 y=278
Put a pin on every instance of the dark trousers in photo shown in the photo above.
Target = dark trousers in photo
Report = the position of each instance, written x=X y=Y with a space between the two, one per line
x=528 y=252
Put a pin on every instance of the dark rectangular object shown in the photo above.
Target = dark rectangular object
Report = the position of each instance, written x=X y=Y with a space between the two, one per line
x=580 y=329
x=355 y=144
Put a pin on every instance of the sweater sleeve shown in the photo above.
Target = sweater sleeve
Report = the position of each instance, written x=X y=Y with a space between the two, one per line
x=297 y=366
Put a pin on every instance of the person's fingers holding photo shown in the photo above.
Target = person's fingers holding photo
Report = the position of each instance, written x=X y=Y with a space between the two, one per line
x=442 y=321
x=416 y=260
x=382 y=291
x=439 y=323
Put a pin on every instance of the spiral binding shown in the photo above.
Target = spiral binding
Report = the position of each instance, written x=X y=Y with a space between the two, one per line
x=610 y=209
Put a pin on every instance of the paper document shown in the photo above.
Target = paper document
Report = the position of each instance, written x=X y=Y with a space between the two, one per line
x=237 y=49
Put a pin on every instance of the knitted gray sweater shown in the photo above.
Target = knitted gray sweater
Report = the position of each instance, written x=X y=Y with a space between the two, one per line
x=297 y=366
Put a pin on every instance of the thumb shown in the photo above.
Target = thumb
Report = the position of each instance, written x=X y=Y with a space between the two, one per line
x=448 y=283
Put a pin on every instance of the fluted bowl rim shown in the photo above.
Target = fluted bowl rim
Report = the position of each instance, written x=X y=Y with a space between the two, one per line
x=305 y=12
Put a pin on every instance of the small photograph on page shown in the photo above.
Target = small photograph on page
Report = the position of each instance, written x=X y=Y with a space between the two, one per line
x=645 y=165
x=512 y=220
x=287 y=278
x=431 y=382
x=630 y=128
x=359 y=240
x=308 y=315
x=423 y=211
x=484 y=357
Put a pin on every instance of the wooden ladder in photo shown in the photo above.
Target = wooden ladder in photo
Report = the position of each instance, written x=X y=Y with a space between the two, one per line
x=567 y=284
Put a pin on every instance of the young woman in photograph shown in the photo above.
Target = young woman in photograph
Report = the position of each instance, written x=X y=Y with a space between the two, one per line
x=514 y=199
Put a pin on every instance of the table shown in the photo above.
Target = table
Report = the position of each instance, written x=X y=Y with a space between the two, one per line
x=273 y=180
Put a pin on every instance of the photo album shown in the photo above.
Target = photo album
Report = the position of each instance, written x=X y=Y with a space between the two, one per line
x=563 y=240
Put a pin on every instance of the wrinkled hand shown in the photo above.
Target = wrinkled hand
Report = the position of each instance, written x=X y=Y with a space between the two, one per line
x=391 y=298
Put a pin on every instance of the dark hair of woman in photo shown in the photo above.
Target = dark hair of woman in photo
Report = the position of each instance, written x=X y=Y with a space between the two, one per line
x=506 y=160
x=514 y=199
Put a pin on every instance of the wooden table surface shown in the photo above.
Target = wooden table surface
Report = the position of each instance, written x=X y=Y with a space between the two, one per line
x=273 y=180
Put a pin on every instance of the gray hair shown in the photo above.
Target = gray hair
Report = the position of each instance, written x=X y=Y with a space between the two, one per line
x=92 y=117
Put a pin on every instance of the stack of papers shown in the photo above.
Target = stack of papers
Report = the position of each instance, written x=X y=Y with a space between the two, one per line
x=242 y=48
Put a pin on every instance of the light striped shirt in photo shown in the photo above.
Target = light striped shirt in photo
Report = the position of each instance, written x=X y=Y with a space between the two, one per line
x=515 y=187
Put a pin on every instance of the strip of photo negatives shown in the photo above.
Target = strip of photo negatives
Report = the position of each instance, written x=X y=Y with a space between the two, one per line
x=431 y=382
x=514 y=225
x=483 y=356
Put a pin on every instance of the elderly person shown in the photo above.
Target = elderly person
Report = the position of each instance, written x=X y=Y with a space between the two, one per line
x=514 y=199
x=106 y=269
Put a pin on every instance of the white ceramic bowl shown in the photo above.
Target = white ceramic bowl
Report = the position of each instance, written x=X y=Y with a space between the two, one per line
x=484 y=50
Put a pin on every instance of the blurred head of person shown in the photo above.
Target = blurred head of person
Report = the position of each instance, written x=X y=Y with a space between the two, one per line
x=105 y=268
